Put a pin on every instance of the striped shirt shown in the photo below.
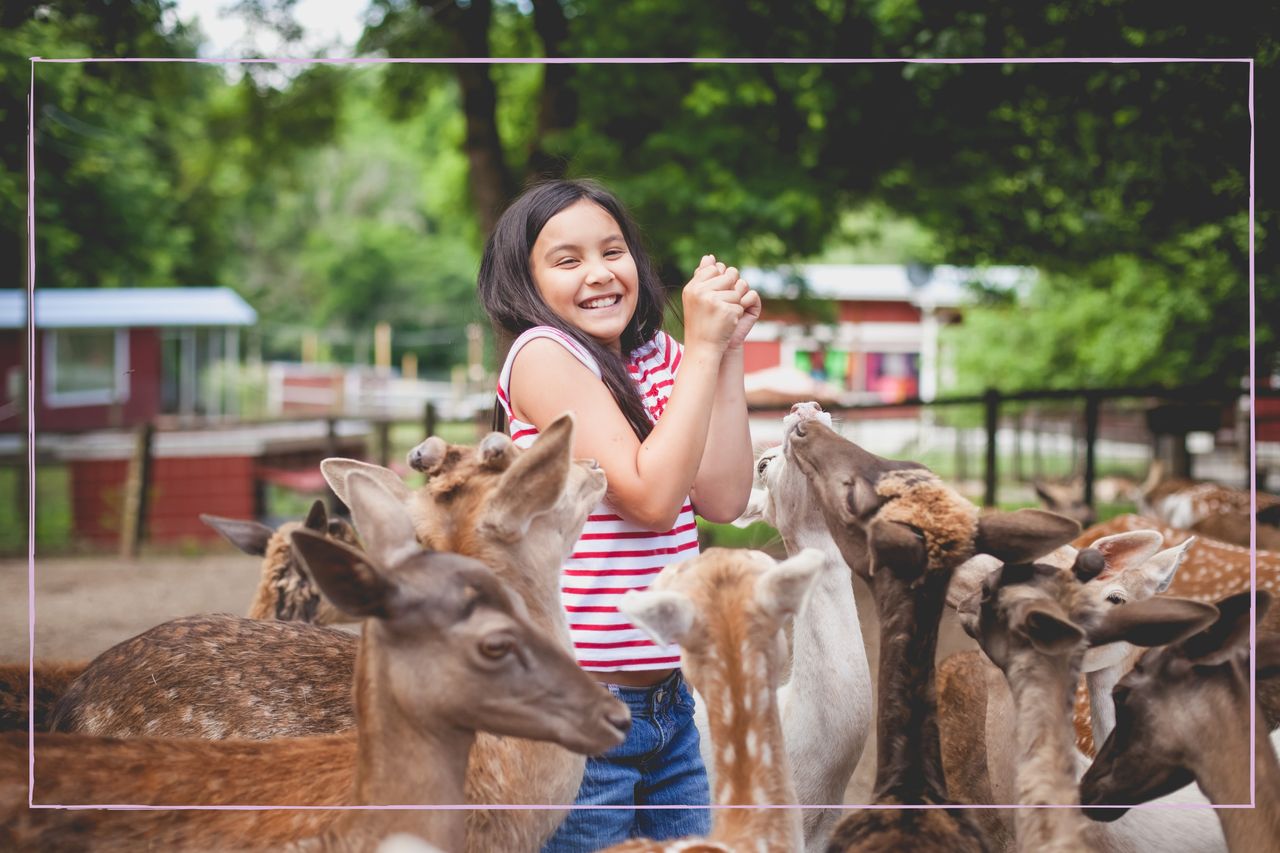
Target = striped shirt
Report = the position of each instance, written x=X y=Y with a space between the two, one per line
x=613 y=555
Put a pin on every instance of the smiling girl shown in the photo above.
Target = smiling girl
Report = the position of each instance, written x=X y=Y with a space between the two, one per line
x=565 y=276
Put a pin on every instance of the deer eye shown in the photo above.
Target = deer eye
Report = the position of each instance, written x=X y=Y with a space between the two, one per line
x=762 y=464
x=1116 y=598
x=496 y=648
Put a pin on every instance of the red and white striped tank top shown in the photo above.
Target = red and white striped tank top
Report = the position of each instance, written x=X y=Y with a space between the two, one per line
x=613 y=555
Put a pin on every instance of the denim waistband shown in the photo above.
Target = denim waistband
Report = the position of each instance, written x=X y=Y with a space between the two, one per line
x=660 y=695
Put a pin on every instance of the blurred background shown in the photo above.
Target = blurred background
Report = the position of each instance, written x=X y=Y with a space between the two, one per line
x=1019 y=274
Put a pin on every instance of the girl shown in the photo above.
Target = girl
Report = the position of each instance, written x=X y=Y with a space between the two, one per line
x=565 y=275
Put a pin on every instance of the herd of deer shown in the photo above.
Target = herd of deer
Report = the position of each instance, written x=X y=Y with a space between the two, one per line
x=461 y=688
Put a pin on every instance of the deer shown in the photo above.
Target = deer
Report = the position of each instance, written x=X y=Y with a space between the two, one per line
x=446 y=649
x=1165 y=707
x=284 y=592
x=726 y=609
x=904 y=531
x=825 y=704
x=1035 y=621
x=978 y=708
x=1193 y=504
x=519 y=511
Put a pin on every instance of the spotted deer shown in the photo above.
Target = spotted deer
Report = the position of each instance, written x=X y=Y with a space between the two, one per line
x=1035 y=622
x=904 y=532
x=726 y=609
x=446 y=649
x=1166 y=708
x=284 y=592
x=519 y=511
x=1209 y=508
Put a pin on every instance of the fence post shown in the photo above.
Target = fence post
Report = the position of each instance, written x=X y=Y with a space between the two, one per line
x=384 y=442
x=992 y=402
x=137 y=483
x=1091 y=407
x=428 y=420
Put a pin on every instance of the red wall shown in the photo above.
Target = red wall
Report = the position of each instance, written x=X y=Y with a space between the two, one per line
x=758 y=355
x=181 y=489
x=879 y=312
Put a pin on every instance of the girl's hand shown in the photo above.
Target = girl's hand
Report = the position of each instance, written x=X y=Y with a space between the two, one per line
x=747 y=298
x=713 y=305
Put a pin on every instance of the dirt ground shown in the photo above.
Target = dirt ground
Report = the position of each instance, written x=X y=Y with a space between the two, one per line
x=83 y=606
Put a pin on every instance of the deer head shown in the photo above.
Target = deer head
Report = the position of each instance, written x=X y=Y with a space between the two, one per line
x=457 y=644
x=900 y=514
x=1171 y=701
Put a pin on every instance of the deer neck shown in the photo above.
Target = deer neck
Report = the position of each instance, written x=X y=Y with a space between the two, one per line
x=1043 y=694
x=827 y=649
x=404 y=762
x=908 y=753
x=750 y=759
x=1102 y=710
x=1224 y=779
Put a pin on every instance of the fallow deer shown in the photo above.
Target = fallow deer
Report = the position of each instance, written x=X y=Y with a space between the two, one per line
x=1184 y=503
x=519 y=511
x=446 y=649
x=826 y=702
x=726 y=610
x=978 y=709
x=1182 y=714
x=1035 y=621
x=904 y=532
x=284 y=592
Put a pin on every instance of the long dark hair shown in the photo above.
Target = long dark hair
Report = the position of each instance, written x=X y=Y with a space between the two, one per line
x=514 y=305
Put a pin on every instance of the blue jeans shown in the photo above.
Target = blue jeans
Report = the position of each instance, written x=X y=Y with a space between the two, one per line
x=657 y=765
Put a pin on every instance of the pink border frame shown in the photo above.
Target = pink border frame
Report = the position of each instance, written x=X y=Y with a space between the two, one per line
x=31 y=272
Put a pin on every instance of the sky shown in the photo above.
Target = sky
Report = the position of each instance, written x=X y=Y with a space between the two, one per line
x=330 y=28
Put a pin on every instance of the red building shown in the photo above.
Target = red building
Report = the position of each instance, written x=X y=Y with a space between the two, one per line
x=876 y=338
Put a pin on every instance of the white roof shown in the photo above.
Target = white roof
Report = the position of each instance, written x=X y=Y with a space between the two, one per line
x=940 y=286
x=123 y=307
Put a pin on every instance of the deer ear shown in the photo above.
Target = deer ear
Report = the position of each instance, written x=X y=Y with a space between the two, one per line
x=336 y=470
x=1128 y=550
x=665 y=616
x=755 y=510
x=1153 y=622
x=1161 y=569
x=533 y=482
x=861 y=498
x=897 y=547
x=1228 y=636
x=382 y=521
x=317 y=517
x=780 y=590
x=1267 y=657
x=1049 y=630
x=346 y=576
x=1023 y=535
x=251 y=537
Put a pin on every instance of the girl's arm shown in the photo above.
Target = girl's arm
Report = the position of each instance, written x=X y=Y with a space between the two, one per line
x=722 y=486
x=648 y=481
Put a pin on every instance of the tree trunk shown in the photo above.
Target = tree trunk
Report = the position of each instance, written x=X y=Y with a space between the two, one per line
x=558 y=108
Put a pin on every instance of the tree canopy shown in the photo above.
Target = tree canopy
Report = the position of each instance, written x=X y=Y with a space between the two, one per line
x=347 y=196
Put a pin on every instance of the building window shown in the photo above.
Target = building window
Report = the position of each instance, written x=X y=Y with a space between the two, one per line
x=86 y=367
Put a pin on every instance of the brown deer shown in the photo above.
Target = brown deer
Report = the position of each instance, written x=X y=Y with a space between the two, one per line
x=1035 y=621
x=446 y=649
x=978 y=709
x=284 y=592
x=726 y=608
x=1183 y=713
x=519 y=511
x=904 y=531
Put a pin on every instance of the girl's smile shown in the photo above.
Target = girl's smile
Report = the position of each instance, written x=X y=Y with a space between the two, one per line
x=585 y=273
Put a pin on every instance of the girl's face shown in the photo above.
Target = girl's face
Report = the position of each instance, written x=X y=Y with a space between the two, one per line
x=585 y=273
